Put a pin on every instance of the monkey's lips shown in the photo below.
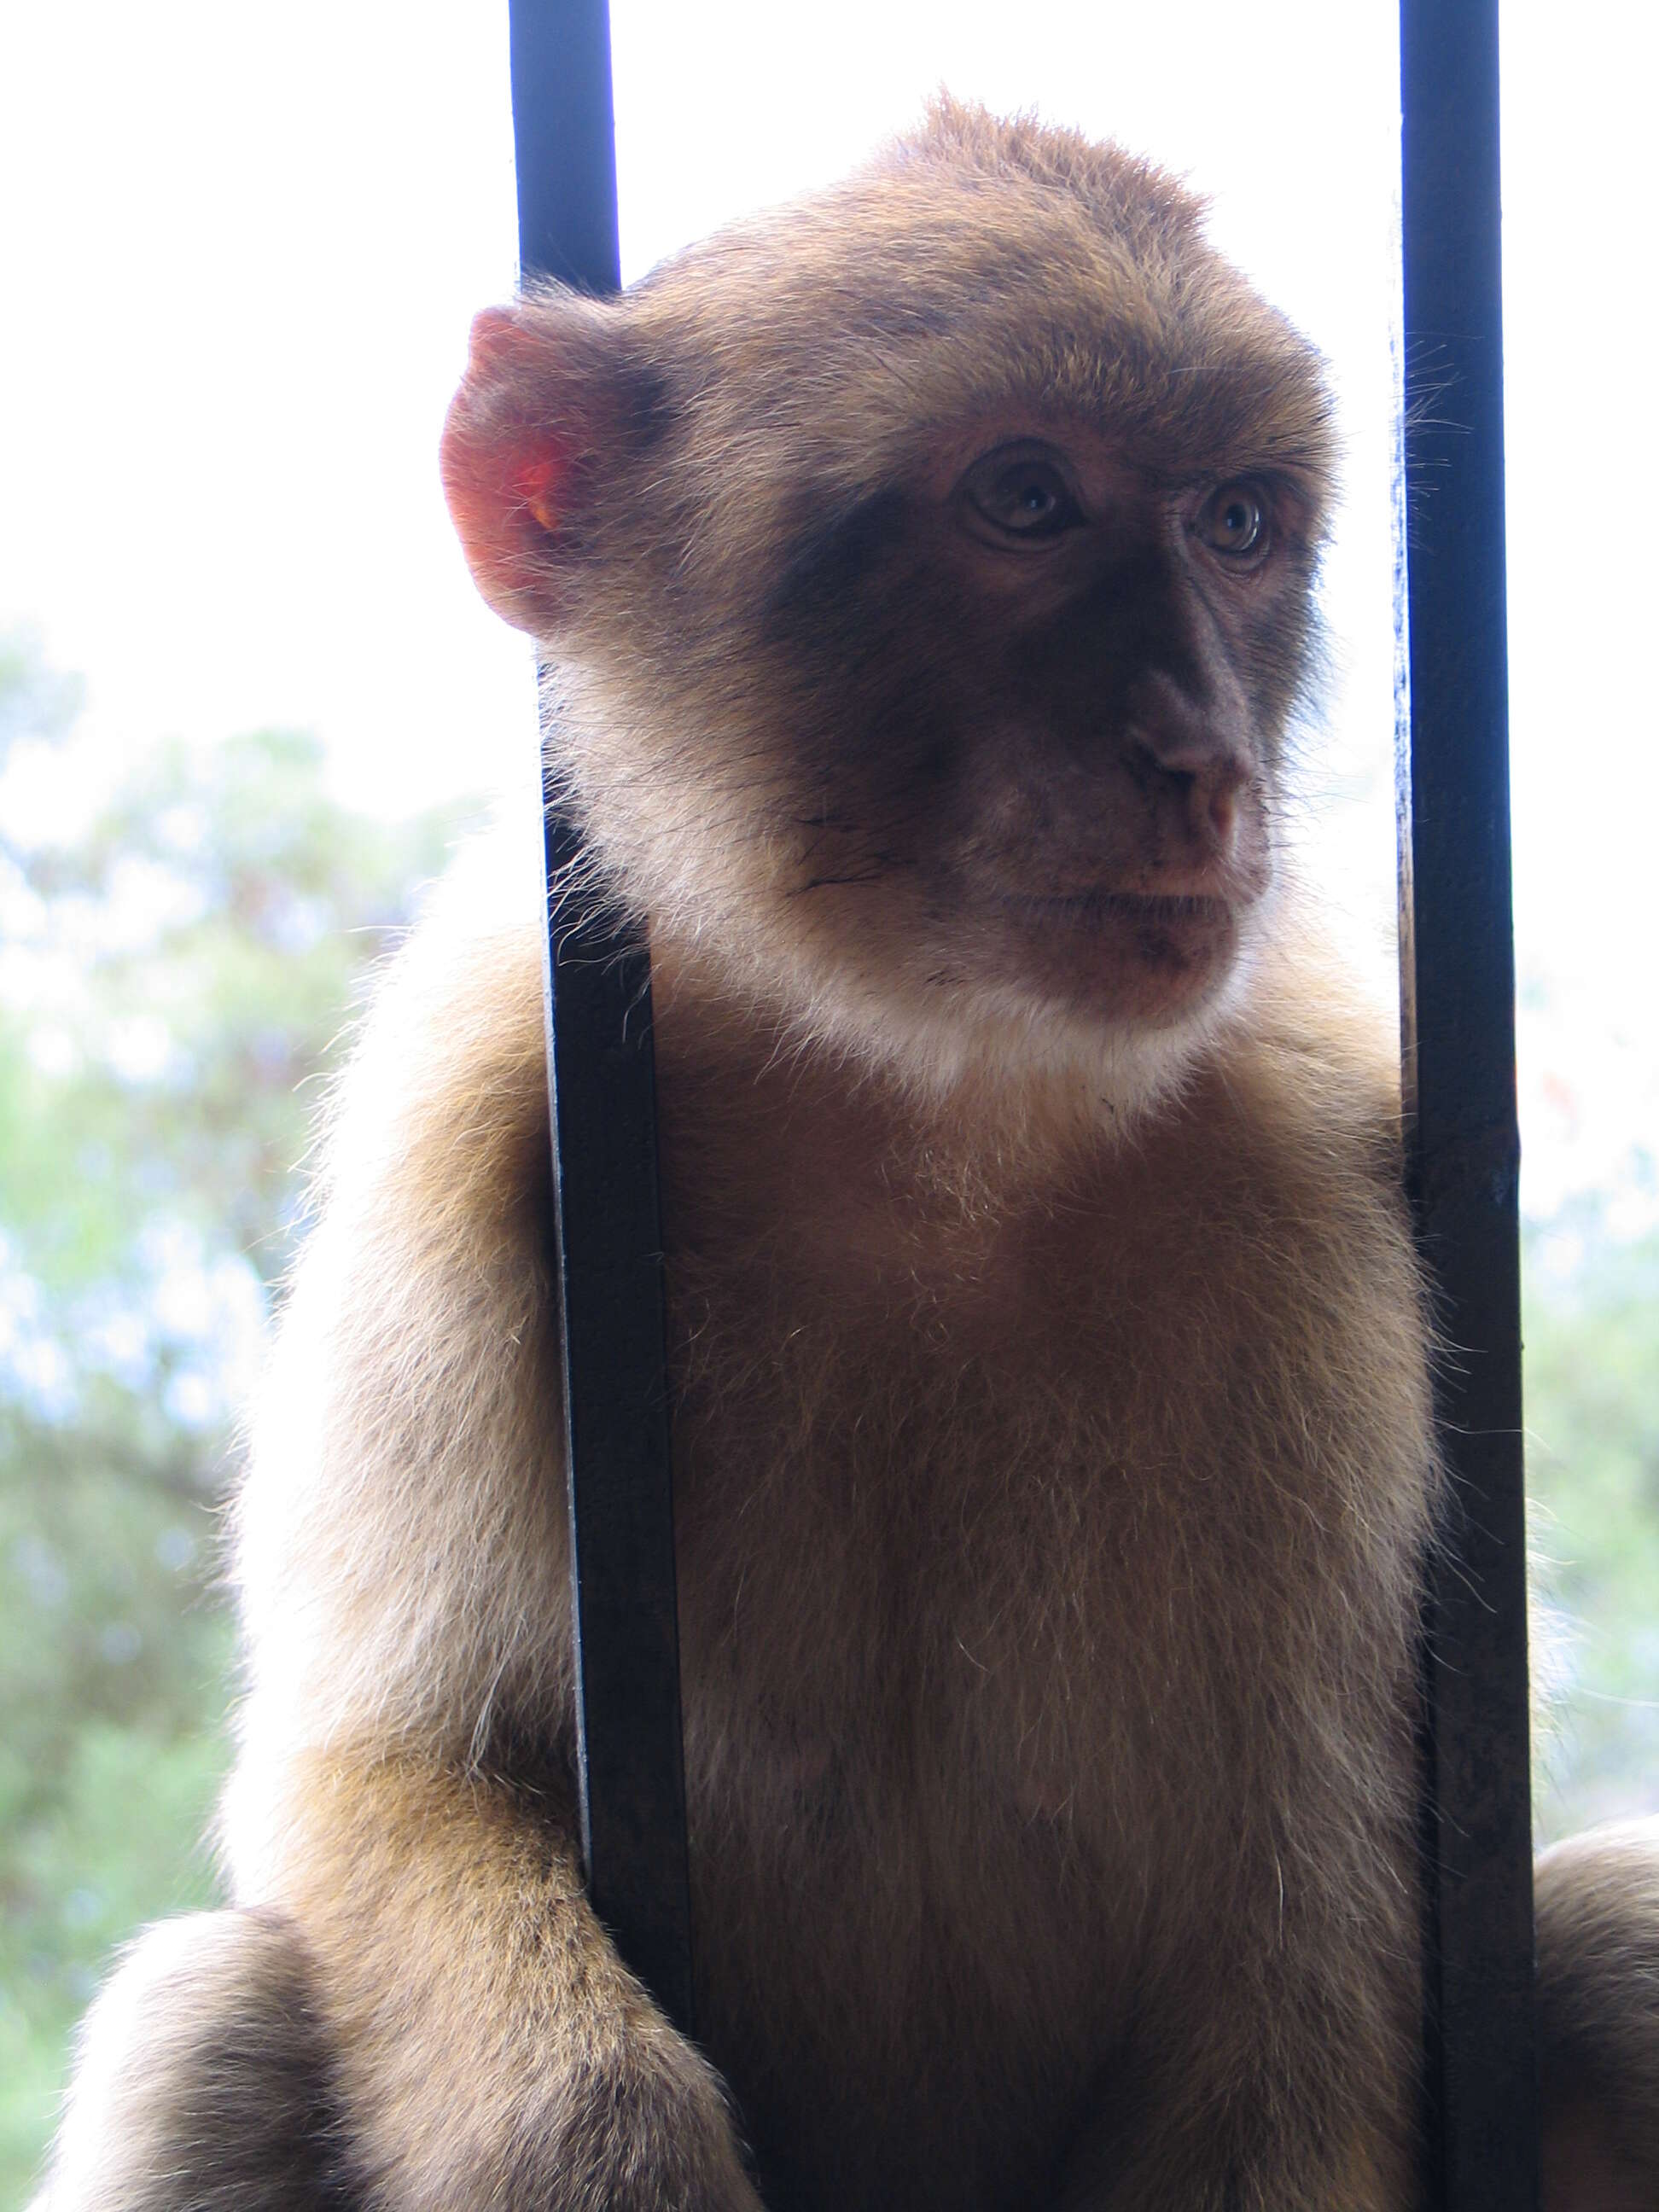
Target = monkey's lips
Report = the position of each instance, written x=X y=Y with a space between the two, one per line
x=1140 y=953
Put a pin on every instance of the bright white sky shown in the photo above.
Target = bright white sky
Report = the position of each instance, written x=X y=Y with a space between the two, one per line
x=239 y=248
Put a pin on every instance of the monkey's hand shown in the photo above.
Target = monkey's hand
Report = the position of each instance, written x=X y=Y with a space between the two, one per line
x=490 y=2051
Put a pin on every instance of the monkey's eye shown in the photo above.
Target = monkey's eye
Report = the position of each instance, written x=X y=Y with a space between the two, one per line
x=1021 y=494
x=1233 y=522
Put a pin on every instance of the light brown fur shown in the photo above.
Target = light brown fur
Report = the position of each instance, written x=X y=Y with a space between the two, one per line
x=1053 y=1458
x=1597 y=1901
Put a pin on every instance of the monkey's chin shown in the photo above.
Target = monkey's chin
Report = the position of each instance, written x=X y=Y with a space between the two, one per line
x=1156 y=958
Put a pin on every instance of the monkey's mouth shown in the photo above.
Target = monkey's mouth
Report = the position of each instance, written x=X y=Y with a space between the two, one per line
x=1145 y=954
x=1100 y=909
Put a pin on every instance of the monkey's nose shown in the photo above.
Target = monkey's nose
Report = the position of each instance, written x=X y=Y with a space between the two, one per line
x=1204 y=786
x=1213 y=805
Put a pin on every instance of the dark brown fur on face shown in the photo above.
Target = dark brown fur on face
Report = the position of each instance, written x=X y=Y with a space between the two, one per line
x=927 y=571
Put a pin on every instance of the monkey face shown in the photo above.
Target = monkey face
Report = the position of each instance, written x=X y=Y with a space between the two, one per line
x=1052 y=773
x=927 y=569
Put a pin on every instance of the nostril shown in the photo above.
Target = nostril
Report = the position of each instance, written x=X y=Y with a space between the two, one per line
x=1221 y=804
x=1205 y=788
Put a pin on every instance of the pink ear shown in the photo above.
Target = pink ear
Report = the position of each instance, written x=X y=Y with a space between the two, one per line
x=539 y=483
x=504 y=471
x=493 y=340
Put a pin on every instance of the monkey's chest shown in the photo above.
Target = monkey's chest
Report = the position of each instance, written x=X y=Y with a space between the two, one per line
x=1008 y=1664
x=1006 y=1554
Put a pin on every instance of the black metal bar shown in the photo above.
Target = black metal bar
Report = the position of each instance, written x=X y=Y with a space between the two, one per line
x=1457 y=999
x=564 y=142
x=601 y=1086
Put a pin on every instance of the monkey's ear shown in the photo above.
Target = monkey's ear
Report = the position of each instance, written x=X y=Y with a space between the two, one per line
x=544 y=421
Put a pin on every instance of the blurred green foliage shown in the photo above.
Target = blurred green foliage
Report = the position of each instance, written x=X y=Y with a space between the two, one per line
x=179 y=970
x=1592 y=1404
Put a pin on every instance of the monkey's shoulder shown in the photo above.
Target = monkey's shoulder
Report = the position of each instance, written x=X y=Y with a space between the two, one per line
x=1303 y=1079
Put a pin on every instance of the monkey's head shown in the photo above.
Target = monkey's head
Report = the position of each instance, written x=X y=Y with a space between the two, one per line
x=926 y=568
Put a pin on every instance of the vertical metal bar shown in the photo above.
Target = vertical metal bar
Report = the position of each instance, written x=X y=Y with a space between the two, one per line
x=1457 y=997
x=601 y=1087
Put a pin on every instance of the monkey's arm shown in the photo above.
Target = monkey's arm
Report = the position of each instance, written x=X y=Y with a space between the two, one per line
x=470 y=2038
x=404 y=1566
x=429 y=2017
x=491 y=2051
